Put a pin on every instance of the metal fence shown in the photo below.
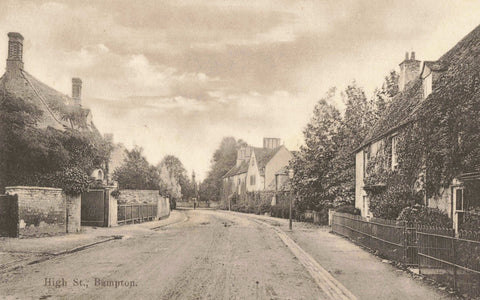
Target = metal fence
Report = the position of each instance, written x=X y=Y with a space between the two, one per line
x=439 y=254
x=394 y=240
x=452 y=260
x=136 y=213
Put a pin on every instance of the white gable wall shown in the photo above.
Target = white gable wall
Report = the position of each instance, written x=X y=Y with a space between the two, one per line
x=278 y=161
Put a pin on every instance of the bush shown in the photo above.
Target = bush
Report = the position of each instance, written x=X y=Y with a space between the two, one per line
x=348 y=209
x=472 y=220
x=280 y=211
x=425 y=216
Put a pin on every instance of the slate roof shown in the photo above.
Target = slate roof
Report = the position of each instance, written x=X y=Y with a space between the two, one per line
x=456 y=66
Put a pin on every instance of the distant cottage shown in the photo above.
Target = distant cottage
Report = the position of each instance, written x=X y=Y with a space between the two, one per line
x=256 y=169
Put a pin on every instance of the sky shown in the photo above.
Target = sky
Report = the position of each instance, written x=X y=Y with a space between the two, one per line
x=175 y=77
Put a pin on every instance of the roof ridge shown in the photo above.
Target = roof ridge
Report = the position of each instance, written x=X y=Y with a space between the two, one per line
x=44 y=102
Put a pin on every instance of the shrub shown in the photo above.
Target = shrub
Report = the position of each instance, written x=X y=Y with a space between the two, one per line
x=425 y=216
x=74 y=181
x=115 y=193
x=348 y=209
x=472 y=220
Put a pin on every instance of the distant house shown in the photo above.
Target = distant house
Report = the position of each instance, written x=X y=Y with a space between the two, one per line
x=55 y=105
x=419 y=84
x=256 y=168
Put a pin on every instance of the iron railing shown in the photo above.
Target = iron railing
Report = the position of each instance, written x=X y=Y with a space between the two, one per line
x=394 y=240
x=453 y=260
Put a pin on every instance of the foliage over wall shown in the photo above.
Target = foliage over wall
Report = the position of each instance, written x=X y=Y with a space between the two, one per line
x=45 y=157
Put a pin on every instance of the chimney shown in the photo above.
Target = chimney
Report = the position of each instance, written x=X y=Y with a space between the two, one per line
x=15 y=52
x=77 y=90
x=271 y=143
x=409 y=71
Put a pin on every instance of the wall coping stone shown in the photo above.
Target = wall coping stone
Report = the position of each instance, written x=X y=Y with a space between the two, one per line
x=32 y=188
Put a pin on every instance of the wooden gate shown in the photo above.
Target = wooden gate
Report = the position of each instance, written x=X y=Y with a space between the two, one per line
x=95 y=208
x=9 y=215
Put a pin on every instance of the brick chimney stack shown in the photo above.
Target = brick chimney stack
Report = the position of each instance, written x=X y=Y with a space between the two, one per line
x=271 y=143
x=15 y=53
x=77 y=90
x=409 y=71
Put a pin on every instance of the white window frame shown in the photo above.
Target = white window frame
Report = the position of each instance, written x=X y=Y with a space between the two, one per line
x=394 y=154
x=427 y=85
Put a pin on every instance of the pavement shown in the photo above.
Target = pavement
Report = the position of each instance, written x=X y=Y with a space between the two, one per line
x=206 y=254
x=18 y=252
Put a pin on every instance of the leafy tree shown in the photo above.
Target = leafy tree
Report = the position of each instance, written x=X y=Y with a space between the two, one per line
x=224 y=158
x=136 y=172
x=176 y=169
x=45 y=157
x=313 y=164
x=169 y=186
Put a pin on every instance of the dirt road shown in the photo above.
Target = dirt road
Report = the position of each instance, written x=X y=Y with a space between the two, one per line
x=217 y=255
x=209 y=256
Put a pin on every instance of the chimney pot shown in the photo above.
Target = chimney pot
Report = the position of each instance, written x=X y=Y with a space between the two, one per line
x=77 y=90
x=406 y=55
x=412 y=57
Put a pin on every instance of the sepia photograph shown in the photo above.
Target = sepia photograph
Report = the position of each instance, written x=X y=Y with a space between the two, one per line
x=254 y=149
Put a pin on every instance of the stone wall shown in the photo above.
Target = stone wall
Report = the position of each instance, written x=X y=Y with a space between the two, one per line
x=138 y=196
x=40 y=210
x=113 y=212
x=163 y=207
x=74 y=213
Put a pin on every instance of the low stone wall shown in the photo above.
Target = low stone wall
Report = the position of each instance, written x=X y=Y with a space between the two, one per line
x=138 y=196
x=40 y=210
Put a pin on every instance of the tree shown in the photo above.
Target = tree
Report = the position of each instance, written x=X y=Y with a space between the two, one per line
x=313 y=164
x=136 y=172
x=224 y=158
x=169 y=187
x=176 y=169
x=45 y=156
x=358 y=118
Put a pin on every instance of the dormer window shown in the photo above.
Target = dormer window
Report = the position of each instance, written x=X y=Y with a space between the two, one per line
x=427 y=86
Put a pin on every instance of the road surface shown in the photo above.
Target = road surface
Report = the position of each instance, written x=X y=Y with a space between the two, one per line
x=209 y=255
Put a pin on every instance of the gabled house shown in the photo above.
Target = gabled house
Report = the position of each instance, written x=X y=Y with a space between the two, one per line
x=255 y=169
x=420 y=85
x=56 y=107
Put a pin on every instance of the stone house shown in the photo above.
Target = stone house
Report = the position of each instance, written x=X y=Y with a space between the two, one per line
x=18 y=82
x=420 y=85
x=255 y=169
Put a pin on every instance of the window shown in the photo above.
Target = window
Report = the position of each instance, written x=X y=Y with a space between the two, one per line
x=459 y=199
x=366 y=157
x=427 y=86
x=252 y=179
x=394 y=152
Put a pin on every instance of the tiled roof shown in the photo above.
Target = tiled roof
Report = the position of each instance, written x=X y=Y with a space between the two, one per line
x=50 y=101
x=457 y=65
x=236 y=170
x=264 y=155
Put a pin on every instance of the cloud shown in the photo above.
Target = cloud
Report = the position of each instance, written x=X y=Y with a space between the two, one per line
x=177 y=76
